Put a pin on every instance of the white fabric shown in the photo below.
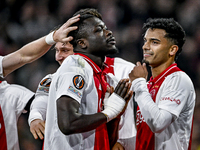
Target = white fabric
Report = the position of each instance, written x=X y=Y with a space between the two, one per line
x=161 y=118
x=1 y=66
x=54 y=139
x=39 y=104
x=13 y=100
x=113 y=106
x=127 y=128
x=177 y=96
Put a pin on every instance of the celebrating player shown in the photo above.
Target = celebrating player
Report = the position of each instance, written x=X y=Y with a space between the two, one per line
x=76 y=116
x=166 y=103
x=114 y=66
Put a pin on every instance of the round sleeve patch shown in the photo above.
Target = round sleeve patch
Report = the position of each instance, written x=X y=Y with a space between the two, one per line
x=78 y=82
x=46 y=82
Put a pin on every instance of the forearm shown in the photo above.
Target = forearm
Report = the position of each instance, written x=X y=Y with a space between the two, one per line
x=113 y=129
x=26 y=54
x=81 y=123
x=157 y=119
x=38 y=108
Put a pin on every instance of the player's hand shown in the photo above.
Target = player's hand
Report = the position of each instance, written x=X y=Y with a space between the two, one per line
x=116 y=103
x=123 y=90
x=37 y=127
x=139 y=71
x=118 y=146
x=61 y=35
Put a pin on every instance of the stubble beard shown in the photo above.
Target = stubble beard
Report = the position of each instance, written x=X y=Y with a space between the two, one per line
x=145 y=61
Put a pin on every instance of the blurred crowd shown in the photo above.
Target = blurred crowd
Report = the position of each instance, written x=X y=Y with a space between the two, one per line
x=22 y=21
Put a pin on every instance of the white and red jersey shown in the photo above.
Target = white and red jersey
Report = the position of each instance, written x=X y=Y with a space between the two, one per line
x=77 y=77
x=13 y=100
x=1 y=67
x=173 y=92
x=120 y=69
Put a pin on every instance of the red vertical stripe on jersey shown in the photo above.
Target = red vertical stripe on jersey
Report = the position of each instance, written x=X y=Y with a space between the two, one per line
x=109 y=65
x=145 y=137
x=101 y=134
x=3 y=141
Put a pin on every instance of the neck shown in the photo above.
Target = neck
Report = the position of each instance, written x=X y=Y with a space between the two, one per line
x=159 y=69
x=96 y=59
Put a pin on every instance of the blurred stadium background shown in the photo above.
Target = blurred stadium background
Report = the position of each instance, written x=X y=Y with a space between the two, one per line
x=22 y=21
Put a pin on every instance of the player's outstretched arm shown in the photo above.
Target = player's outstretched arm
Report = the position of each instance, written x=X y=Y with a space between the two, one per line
x=37 y=48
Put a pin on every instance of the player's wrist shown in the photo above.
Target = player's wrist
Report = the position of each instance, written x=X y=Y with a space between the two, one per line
x=49 y=38
x=113 y=106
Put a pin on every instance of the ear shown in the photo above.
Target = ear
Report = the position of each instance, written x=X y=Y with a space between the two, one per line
x=173 y=50
x=82 y=43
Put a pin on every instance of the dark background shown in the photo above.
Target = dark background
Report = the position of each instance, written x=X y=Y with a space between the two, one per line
x=22 y=21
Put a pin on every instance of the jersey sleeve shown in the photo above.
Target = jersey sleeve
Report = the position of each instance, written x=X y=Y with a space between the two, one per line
x=38 y=108
x=71 y=80
x=18 y=97
x=44 y=85
x=39 y=105
x=157 y=119
x=176 y=89
x=1 y=66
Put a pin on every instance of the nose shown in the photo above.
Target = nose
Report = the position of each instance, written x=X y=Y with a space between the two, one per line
x=108 y=32
x=145 y=46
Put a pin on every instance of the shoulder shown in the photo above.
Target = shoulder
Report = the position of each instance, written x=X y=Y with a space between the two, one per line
x=44 y=84
x=179 y=79
x=121 y=61
x=74 y=59
x=17 y=90
x=74 y=63
x=46 y=80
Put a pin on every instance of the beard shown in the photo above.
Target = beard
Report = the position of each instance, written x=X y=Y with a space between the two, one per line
x=145 y=61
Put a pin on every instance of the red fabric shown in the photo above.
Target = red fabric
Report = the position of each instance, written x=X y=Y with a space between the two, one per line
x=3 y=145
x=145 y=137
x=190 y=142
x=101 y=135
x=0 y=81
x=108 y=65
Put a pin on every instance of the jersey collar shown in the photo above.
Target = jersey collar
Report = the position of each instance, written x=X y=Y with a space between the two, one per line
x=166 y=72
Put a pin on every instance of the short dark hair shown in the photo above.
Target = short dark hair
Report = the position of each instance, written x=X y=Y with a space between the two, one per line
x=84 y=14
x=174 y=31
